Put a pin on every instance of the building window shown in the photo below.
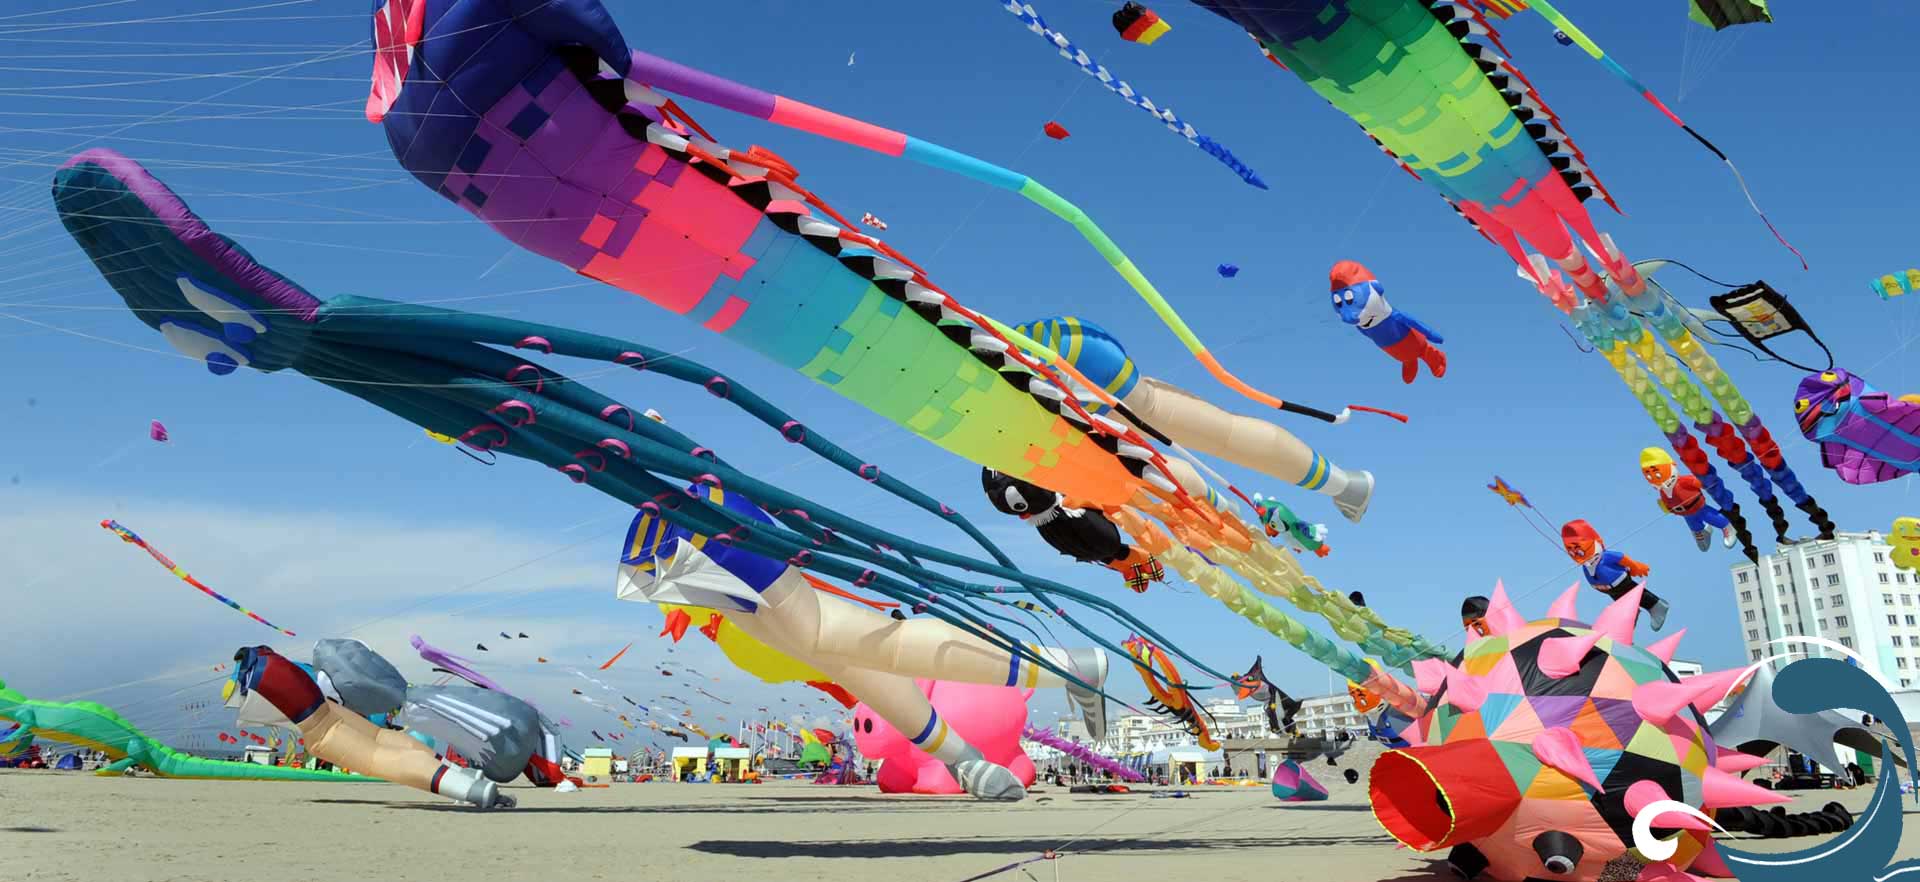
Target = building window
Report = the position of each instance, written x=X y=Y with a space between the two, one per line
x=1819 y=604
x=1886 y=599
x=1838 y=601
x=1823 y=624
x=1746 y=597
x=1900 y=663
x=1756 y=655
x=1811 y=583
x=1893 y=620
x=1897 y=640
x=1879 y=557
x=1833 y=579
x=1749 y=615
x=1844 y=641
x=1909 y=620
x=1743 y=577
x=1906 y=600
x=1753 y=633
x=1900 y=577
x=1776 y=569
x=1827 y=558
x=1783 y=610
x=1883 y=581
x=1840 y=621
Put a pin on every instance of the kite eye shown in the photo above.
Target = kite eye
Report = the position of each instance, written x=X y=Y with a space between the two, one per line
x=1015 y=501
x=1801 y=405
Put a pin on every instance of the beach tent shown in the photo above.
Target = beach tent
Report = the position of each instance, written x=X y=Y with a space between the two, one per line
x=596 y=764
x=1187 y=765
x=689 y=763
x=732 y=763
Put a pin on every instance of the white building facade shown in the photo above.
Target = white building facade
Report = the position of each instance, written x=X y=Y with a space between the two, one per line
x=1842 y=589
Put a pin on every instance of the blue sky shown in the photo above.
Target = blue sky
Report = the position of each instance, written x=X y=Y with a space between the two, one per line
x=330 y=517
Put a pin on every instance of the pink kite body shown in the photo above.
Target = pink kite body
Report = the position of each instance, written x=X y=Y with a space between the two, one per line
x=157 y=431
x=988 y=717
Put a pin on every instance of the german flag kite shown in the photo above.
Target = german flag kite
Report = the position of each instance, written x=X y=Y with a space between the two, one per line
x=1138 y=24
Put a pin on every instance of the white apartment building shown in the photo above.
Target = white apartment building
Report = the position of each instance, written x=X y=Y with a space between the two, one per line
x=1843 y=589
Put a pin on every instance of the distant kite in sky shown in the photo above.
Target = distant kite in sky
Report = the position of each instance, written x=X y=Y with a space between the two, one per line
x=871 y=221
x=616 y=656
x=1055 y=130
x=1227 y=270
x=133 y=538
x=157 y=431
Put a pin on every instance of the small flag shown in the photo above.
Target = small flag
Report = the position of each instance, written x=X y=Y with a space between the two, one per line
x=872 y=221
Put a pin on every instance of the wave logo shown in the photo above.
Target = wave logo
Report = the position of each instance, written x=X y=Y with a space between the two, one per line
x=1866 y=850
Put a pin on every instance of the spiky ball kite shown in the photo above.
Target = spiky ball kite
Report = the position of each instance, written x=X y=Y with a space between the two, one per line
x=1539 y=745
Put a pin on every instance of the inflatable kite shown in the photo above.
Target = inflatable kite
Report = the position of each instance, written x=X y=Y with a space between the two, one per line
x=1682 y=495
x=1081 y=752
x=1185 y=419
x=1723 y=14
x=1533 y=754
x=1293 y=784
x=1279 y=520
x=576 y=117
x=1894 y=285
x=1611 y=572
x=1082 y=534
x=1905 y=541
x=497 y=734
x=132 y=538
x=1865 y=435
x=1056 y=131
x=1361 y=301
x=991 y=717
x=855 y=646
x=98 y=727
x=1138 y=24
x=1279 y=706
x=157 y=432
x=1432 y=86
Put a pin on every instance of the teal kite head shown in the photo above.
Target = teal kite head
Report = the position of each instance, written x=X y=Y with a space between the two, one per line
x=204 y=293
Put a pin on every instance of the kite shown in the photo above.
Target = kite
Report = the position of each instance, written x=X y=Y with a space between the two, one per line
x=1905 y=541
x=1865 y=435
x=1893 y=285
x=1280 y=706
x=869 y=220
x=1279 y=520
x=1182 y=419
x=1611 y=572
x=616 y=656
x=497 y=733
x=1138 y=24
x=1031 y=18
x=481 y=646
x=1293 y=784
x=1533 y=771
x=1055 y=131
x=1081 y=752
x=1171 y=696
x=1227 y=270
x=132 y=538
x=1086 y=535
x=1507 y=493
x=1361 y=301
x=740 y=199
x=125 y=745
x=1682 y=495
x=156 y=431
x=1524 y=188
x=1723 y=14
x=504 y=634
x=522 y=634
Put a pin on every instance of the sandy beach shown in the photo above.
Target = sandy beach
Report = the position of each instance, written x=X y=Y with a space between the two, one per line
x=71 y=826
